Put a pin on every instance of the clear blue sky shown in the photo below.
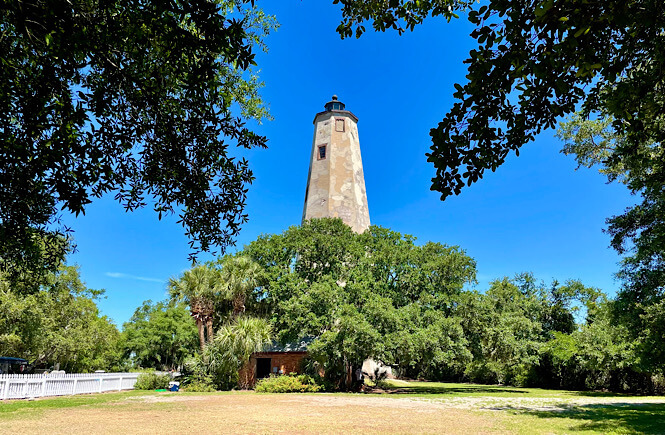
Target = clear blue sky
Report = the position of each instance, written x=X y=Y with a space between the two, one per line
x=536 y=213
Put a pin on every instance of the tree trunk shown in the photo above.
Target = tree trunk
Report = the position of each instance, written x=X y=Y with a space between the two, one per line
x=202 y=338
x=238 y=306
x=209 y=328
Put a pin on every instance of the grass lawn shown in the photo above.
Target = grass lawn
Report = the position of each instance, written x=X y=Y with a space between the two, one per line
x=414 y=407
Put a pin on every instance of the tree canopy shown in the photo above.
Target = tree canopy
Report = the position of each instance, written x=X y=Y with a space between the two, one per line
x=380 y=295
x=535 y=62
x=159 y=335
x=142 y=100
x=640 y=231
x=371 y=295
x=57 y=323
x=353 y=296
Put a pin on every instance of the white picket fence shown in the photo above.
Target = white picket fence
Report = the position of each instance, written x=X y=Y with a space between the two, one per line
x=27 y=386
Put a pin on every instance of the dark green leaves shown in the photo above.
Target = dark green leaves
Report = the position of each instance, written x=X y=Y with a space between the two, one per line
x=399 y=15
x=129 y=98
x=553 y=56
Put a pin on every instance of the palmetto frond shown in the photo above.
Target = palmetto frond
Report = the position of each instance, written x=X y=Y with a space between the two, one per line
x=239 y=277
x=235 y=342
x=198 y=287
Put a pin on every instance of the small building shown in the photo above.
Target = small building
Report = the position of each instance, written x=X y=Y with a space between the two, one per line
x=276 y=359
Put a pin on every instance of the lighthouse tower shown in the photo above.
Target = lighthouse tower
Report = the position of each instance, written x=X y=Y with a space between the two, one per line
x=336 y=183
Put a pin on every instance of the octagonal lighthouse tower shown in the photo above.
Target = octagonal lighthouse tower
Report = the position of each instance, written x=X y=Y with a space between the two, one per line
x=336 y=183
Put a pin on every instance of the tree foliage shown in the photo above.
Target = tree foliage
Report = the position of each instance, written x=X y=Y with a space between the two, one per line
x=134 y=99
x=372 y=295
x=239 y=279
x=380 y=295
x=640 y=231
x=224 y=356
x=537 y=61
x=198 y=288
x=598 y=355
x=159 y=335
x=395 y=15
x=58 y=323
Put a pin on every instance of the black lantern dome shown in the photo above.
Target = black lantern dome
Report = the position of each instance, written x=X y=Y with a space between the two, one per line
x=334 y=104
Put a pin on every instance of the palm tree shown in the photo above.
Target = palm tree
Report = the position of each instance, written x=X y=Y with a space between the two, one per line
x=239 y=277
x=198 y=288
x=234 y=344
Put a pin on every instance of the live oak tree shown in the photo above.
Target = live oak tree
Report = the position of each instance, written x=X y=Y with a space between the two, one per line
x=537 y=61
x=144 y=100
x=58 y=322
x=375 y=294
x=159 y=335
x=639 y=232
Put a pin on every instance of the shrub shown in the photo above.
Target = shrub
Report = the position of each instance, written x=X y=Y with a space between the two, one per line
x=379 y=378
x=152 y=381
x=199 y=386
x=287 y=384
x=222 y=358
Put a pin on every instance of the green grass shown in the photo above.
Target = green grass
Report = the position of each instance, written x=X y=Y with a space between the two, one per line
x=441 y=389
x=620 y=416
x=592 y=419
x=10 y=408
x=13 y=408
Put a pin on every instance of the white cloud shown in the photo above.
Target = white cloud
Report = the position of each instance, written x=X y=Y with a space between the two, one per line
x=128 y=276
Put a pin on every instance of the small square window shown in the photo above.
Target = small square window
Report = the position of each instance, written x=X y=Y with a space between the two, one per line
x=339 y=125
x=322 y=152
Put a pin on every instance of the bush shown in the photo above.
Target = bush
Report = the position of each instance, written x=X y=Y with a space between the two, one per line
x=287 y=384
x=379 y=378
x=152 y=381
x=198 y=386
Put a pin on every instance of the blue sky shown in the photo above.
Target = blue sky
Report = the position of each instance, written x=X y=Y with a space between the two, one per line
x=535 y=213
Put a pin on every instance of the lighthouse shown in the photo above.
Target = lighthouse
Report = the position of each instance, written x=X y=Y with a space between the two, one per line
x=336 y=182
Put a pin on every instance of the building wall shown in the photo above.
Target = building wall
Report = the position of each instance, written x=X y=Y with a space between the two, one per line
x=286 y=362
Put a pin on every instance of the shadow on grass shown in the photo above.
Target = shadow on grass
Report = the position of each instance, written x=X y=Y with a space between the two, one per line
x=604 y=394
x=471 y=389
x=608 y=417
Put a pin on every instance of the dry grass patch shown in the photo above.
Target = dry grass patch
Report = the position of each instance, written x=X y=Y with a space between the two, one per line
x=414 y=408
x=258 y=413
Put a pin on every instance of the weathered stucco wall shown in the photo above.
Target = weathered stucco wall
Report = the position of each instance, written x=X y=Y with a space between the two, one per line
x=336 y=184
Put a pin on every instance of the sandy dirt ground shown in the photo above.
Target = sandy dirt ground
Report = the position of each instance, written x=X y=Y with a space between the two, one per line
x=291 y=413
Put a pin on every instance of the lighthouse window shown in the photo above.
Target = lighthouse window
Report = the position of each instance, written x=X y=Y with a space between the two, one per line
x=339 y=125
x=322 y=152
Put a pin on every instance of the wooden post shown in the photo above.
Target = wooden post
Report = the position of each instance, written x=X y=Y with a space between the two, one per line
x=120 y=384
